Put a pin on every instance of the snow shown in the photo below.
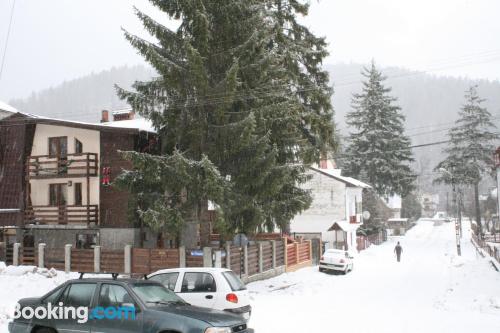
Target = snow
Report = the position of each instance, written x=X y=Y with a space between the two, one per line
x=6 y=107
x=431 y=290
x=336 y=173
x=138 y=123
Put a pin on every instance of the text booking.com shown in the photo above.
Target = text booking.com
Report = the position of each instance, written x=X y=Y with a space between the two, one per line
x=81 y=314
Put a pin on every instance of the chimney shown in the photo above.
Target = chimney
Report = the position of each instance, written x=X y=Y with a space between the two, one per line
x=104 y=116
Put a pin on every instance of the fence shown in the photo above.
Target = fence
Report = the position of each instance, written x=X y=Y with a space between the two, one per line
x=364 y=242
x=493 y=250
x=255 y=261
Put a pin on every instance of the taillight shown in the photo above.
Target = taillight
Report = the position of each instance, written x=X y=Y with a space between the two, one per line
x=233 y=298
x=342 y=261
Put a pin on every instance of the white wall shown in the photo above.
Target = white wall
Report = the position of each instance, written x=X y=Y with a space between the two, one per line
x=91 y=144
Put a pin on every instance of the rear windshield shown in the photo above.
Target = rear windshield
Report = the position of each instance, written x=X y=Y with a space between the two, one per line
x=234 y=281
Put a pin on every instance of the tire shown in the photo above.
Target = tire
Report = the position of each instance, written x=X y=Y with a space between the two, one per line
x=321 y=270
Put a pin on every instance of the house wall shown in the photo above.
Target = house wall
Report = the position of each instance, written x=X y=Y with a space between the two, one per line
x=328 y=196
x=91 y=144
x=354 y=196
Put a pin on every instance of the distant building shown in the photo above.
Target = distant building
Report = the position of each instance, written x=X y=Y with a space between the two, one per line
x=336 y=210
x=430 y=204
x=394 y=203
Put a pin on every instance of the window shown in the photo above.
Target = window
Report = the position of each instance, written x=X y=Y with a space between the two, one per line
x=78 y=146
x=58 y=146
x=78 y=194
x=114 y=295
x=78 y=294
x=52 y=297
x=168 y=279
x=198 y=283
x=58 y=194
x=234 y=281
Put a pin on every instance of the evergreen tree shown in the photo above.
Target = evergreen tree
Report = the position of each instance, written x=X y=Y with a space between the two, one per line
x=224 y=93
x=470 y=153
x=378 y=150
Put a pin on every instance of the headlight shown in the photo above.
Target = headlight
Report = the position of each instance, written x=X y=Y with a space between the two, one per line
x=218 y=330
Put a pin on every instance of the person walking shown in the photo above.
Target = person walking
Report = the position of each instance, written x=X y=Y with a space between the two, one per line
x=398 y=250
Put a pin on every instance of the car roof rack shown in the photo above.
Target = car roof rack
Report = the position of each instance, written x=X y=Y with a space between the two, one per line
x=113 y=275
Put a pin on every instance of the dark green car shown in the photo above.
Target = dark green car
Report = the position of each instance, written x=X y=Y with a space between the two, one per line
x=119 y=305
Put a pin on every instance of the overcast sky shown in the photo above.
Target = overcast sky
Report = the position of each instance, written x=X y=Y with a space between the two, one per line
x=56 y=40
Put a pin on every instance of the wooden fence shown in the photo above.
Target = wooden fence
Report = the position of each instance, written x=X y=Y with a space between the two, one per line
x=491 y=249
x=256 y=260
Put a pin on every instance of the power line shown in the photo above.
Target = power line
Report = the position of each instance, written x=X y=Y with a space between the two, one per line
x=7 y=39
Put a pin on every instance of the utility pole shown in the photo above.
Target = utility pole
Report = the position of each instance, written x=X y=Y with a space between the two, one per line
x=457 y=202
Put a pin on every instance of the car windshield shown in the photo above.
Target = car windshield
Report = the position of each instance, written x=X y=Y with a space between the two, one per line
x=156 y=294
x=234 y=281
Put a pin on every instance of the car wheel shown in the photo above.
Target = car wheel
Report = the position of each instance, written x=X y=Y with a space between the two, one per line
x=321 y=269
x=45 y=330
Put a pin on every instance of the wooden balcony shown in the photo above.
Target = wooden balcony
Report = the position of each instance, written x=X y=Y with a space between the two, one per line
x=63 y=215
x=70 y=166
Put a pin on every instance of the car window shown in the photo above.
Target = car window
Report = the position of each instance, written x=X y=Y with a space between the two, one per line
x=79 y=294
x=198 y=282
x=167 y=279
x=52 y=296
x=114 y=295
x=234 y=281
x=152 y=293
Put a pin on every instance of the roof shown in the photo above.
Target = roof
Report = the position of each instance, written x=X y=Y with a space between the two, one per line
x=37 y=119
x=122 y=111
x=190 y=269
x=137 y=123
x=336 y=174
x=344 y=225
x=398 y=220
x=6 y=107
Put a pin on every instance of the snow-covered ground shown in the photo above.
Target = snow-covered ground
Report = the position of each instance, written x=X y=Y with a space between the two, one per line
x=431 y=290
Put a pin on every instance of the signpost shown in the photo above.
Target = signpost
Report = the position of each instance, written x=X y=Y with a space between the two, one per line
x=241 y=241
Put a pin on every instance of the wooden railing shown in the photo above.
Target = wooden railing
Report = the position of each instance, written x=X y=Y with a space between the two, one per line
x=72 y=165
x=62 y=214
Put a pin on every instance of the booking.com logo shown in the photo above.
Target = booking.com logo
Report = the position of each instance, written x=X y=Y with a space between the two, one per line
x=81 y=314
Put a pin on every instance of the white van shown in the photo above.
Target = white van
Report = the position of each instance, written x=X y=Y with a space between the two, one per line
x=214 y=288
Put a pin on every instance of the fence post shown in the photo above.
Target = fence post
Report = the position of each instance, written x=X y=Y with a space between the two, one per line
x=245 y=259
x=67 y=258
x=41 y=255
x=261 y=258
x=218 y=259
x=127 y=258
x=310 y=250
x=97 y=259
x=228 y=255
x=3 y=252
x=15 y=254
x=182 y=256
x=207 y=257
x=285 y=252
x=296 y=253
x=273 y=245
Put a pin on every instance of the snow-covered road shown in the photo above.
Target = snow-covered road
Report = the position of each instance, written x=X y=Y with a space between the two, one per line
x=431 y=290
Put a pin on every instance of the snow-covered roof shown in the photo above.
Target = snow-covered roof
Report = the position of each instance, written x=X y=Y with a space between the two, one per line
x=336 y=173
x=122 y=111
x=394 y=202
x=6 y=107
x=138 y=123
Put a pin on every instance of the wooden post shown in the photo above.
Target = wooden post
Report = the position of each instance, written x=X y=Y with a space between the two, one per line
x=182 y=256
x=97 y=259
x=3 y=252
x=228 y=255
x=67 y=258
x=127 y=256
x=41 y=255
x=310 y=250
x=273 y=245
x=296 y=253
x=261 y=258
x=285 y=252
x=15 y=254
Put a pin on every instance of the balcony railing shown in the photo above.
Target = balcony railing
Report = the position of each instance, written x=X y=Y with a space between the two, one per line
x=81 y=215
x=72 y=165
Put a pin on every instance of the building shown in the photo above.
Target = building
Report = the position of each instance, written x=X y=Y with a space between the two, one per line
x=430 y=204
x=55 y=177
x=336 y=209
x=6 y=110
x=394 y=203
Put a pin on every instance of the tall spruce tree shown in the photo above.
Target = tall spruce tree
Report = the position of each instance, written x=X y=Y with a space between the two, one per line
x=225 y=91
x=378 y=150
x=470 y=153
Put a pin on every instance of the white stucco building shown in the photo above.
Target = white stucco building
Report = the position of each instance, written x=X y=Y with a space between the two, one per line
x=336 y=210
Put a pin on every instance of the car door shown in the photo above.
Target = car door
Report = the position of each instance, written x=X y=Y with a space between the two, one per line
x=76 y=296
x=169 y=280
x=199 y=288
x=108 y=312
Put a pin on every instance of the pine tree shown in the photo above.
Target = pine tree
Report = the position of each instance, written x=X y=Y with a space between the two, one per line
x=378 y=150
x=224 y=94
x=470 y=153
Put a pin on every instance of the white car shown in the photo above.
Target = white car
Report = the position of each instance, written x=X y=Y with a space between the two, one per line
x=336 y=260
x=214 y=288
